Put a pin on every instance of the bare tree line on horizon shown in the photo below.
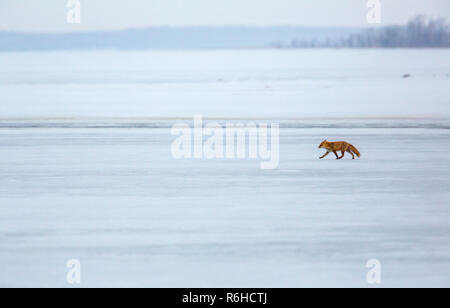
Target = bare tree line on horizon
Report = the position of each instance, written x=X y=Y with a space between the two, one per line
x=420 y=32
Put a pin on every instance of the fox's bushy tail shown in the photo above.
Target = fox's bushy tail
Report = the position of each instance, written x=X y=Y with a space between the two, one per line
x=354 y=150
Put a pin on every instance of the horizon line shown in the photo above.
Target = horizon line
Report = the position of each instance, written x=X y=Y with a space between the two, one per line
x=368 y=26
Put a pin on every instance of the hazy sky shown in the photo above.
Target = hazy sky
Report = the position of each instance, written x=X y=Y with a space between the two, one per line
x=50 y=15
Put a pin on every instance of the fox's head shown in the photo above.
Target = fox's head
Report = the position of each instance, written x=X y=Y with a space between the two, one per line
x=323 y=144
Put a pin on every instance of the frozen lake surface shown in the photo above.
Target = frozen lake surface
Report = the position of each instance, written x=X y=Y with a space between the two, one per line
x=115 y=199
x=225 y=83
x=86 y=170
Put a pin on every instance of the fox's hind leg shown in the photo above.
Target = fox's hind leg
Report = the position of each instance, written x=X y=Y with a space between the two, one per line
x=342 y=155
x=353 y=156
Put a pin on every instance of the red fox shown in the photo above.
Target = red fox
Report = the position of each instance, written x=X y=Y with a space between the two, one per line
x=338 y=146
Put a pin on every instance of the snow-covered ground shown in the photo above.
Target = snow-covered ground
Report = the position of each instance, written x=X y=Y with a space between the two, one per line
x=86 y=170
x=116 y=200
x=225 y=83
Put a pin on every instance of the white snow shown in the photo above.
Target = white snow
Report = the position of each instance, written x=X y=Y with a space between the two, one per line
x=75 y=183
x=225 y=83
x=116 y=200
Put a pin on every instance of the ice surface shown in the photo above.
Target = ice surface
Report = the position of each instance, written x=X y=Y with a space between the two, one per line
x=226 y=83
x=115 y=199
x=86 y=170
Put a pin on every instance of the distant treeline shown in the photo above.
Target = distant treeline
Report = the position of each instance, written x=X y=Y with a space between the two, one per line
x=420 y=32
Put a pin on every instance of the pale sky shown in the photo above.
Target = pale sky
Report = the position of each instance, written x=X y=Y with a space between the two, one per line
x=50 y=15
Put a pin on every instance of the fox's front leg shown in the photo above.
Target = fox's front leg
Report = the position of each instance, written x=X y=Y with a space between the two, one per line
x=335 y=153
x=328 y=152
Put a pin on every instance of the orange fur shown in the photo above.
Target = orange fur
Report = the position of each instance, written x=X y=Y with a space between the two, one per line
x=339 y=146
